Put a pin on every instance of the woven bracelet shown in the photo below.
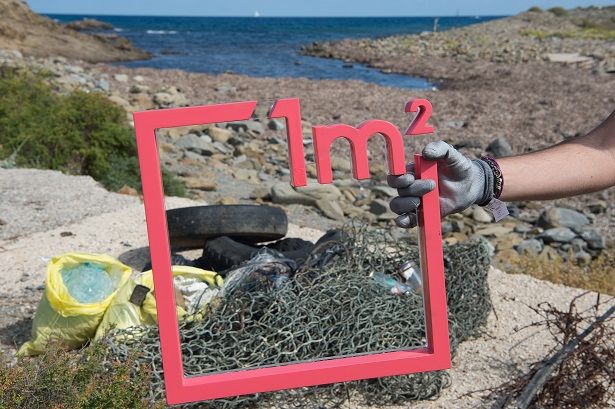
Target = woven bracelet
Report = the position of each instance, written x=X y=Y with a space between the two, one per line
x=498 y=176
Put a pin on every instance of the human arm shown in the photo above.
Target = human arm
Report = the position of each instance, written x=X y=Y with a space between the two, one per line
x=580 y=165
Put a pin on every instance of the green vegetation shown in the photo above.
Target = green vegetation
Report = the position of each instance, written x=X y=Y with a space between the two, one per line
x=69 y=380
x=595 y=33
x=529 y=32
x=558 y=11
x=78 y=133
x=534 y=9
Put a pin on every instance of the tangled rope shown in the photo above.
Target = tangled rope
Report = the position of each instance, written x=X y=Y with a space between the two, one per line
x=323 y=312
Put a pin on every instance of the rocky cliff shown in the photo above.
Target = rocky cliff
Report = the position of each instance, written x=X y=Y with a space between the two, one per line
x=32 y=34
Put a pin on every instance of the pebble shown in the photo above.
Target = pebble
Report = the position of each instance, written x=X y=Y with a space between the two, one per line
x=557 y=234
x=378 y=207
x=138 y=89
x=195 y=143
x=207 y=184
x=103 y=85
x=500 y=147
x=331 y=209
x=220 y=134
x=121 y=77
x=481 y=215
x=276 y=125
x=593 y=239
x=529 y=247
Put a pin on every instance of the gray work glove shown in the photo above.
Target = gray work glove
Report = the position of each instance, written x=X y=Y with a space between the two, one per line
x=462 y=182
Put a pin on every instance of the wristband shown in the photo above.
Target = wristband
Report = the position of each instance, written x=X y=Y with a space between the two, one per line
x=498 y=176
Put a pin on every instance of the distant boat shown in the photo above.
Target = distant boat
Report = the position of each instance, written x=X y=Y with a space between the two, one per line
x=257 y=14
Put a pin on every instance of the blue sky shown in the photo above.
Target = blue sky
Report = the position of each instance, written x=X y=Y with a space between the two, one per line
x=300 y=8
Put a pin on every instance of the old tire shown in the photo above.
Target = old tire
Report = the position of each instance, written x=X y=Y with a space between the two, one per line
x=190 y=227
x=223 y=253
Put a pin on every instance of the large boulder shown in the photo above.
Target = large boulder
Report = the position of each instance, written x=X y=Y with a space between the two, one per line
x=562 y=217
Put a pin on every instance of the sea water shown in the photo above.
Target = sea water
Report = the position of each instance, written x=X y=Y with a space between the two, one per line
x=88 y=282
x=267 y=46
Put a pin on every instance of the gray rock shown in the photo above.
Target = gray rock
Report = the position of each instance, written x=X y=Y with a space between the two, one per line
x=222 y=147
x=321 y=191
x=170 y=96
x=138 y=89
x=454 y=124
x=384 y=191
x=331 y=209
x=557 y=234
x=599 y=206
x=73 y=69
x=163 y=99
x=529 y=247
x=481 y=215
x=252 y=126
x=378 y=207
x=121 y=77
x=578 y=244
x=523 y=228
x=447 y=228
x=593 y=239
x=195 y=143
x=528 y=216
x=284 y=193
x=255 y=127
x=562 y=217
x=103 y=85
x=276 y=125
x=500 y=147
x=220 y=134
x=582 y=257
x=458 y=226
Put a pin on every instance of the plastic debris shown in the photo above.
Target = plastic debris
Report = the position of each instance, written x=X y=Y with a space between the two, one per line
x=411 y=273
x=88 y=282
x=265 y=270
x=196 y=292
x=390 y=283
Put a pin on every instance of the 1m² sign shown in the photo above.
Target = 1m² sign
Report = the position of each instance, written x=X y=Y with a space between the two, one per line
x=435 y=356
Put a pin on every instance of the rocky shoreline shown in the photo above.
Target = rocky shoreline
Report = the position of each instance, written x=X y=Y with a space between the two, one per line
x=582 y=38
x=246 y=162
x=504 y=106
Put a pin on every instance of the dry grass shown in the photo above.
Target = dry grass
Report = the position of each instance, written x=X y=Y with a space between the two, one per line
x=598 y=275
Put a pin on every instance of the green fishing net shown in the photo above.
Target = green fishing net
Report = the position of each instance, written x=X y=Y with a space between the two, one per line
x=323 y=312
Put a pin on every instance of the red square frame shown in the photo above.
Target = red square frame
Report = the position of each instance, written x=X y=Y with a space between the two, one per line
x=182 y=389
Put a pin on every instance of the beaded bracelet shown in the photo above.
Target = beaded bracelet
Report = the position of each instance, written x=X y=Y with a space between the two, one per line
x=498 y=176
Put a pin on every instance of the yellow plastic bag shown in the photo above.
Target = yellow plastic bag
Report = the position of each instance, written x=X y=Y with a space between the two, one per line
x=122 y=313
x=59 y=315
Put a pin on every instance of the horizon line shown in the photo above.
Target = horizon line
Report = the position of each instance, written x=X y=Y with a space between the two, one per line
x=265 y=16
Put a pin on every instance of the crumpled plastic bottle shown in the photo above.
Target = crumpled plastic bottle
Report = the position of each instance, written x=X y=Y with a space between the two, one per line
x=390 y=283
x=88 y=282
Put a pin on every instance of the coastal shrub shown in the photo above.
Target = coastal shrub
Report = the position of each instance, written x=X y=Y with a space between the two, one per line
x=73 y=380
x=79 y=133
x=534 y=9
x=530 y=32
x=558 y=11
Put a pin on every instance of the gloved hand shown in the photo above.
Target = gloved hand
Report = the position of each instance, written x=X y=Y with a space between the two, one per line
x=462 y=182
